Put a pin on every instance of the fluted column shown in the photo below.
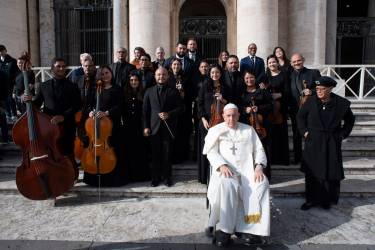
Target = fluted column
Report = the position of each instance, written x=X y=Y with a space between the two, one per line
x=120 y=24
x=149 y=25
x=307 y=29
x=257 y=21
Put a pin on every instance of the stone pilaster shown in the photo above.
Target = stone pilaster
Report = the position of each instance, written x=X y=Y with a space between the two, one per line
x=331 y=32
x=120 y=24
x=13 y=27
x=47 y=32
x=257 y=21
x=307 y=29
x=149 y=25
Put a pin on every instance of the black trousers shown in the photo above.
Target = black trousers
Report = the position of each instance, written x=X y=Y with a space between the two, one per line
x=321 y=192
x=297 y=139
x=161 y=148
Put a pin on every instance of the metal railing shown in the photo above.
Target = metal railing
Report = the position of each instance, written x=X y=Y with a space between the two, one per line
x=354 y=81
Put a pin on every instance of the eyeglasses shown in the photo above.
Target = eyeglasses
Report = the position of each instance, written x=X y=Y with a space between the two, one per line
x=320 y=89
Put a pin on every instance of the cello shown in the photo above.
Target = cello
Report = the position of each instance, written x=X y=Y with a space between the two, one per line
x=99 y=157
x=45 y=172
x=256 y=121
x=216 y=108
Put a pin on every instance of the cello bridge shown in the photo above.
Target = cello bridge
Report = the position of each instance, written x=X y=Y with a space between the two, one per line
x=39 y=157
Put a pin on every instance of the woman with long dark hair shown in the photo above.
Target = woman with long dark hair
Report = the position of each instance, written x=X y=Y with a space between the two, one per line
x=135 y=148
x=259 y=101
x=279 y=89
x=213 y=90
x=110 y=104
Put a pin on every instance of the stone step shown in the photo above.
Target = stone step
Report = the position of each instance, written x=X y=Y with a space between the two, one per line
x=356 y=136
x=352 y=186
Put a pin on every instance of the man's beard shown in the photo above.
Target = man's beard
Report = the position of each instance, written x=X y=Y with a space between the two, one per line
x=181 y=55
x=192 y=51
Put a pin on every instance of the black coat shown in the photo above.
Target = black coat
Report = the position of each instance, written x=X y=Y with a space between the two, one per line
x=170 y=102
x=235 y=86
x=322 y=156
x=121 y=72
x=19 y=86
x=10 y=69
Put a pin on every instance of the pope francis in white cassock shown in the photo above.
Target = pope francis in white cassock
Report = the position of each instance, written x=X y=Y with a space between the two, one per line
x=238 y=191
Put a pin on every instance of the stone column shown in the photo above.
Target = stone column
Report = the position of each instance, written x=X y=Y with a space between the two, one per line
x=120 y=24
x=307 y=29
x=47 y=32
x=13 y=27
x=149 y=25
x=34 y=33
x=257 y=21
x=331 y=32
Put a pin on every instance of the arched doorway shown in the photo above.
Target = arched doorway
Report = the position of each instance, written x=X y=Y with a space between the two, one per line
x=206 y=21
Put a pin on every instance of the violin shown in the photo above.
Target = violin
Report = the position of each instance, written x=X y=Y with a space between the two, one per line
x=99 y=157
x=45 y=171
x=303 y=97
x=216 y=108
x=256 y=121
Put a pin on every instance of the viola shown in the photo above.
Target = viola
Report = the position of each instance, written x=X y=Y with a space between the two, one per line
x=256 y=121
x=276 y=117
x=216 y=108
x=45 y=171
x=303 y=97
x=99 y=157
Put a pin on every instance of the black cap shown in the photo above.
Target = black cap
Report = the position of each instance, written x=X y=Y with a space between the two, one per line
x=2 y=47
x=325 y=81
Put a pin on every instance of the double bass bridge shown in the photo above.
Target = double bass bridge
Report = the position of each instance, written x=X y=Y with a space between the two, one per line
x=35 y=158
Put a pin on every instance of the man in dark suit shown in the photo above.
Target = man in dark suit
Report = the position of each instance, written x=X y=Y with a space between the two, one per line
x=160 y=58
x=61 y=101
x=192 y=52
x=79 y=71
x=86 y=84
x=146 y=73
x=254 y=64
x=187 y=64
x=121 y=69
x=161 y=107
x=298 y=77
x=233 y=80
x=8 y=65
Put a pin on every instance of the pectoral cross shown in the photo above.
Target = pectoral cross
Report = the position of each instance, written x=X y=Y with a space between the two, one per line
x=233 y=148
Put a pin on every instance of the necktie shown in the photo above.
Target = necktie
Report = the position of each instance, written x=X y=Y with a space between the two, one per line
x=253 y=59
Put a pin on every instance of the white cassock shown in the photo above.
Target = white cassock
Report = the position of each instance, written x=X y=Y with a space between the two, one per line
x=238 y=203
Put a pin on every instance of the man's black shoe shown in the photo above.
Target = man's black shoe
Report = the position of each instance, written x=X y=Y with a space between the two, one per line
x=154 y=183
x=222 y=239
x=168 y=182
x=307 y=205
x=326 y=206
x=250 y=239
x=209 y=232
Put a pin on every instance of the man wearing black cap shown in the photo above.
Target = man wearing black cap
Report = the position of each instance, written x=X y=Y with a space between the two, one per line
x=319 y=122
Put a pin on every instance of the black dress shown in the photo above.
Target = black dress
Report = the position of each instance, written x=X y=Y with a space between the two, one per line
x=111 y=101
x=279 y=144
x=263 y=100
x=181 y=151
x=135 y=145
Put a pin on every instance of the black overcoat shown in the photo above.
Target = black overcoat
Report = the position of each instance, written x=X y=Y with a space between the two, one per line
x=322 y=156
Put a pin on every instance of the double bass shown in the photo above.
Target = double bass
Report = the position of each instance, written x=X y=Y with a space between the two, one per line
x=45 y=172
x=256 y=121
x=216 y=108
x=99 y=157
